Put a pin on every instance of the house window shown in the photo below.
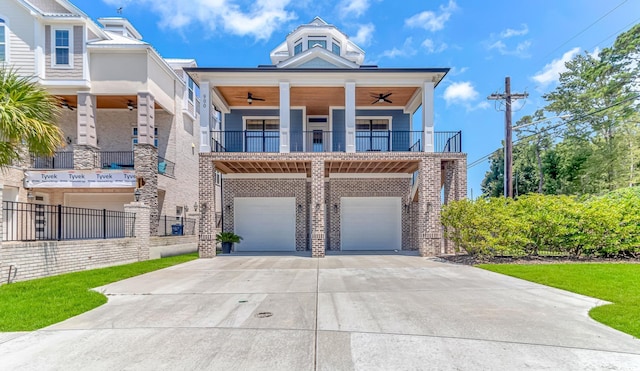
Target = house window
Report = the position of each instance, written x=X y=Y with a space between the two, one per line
x=190 y=86
x=134 y=137
x=335 y=48
x=313 y=42
x=3 y=41
x=262 y=135
x=62 y=47
x=373 y=135
x=297 y=49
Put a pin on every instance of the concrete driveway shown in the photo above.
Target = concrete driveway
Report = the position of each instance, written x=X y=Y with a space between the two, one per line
x=354 y=312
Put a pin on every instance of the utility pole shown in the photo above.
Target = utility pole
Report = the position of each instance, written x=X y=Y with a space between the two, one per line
x=508 y=97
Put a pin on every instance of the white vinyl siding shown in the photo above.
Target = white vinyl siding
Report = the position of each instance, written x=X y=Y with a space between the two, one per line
x=19 y=37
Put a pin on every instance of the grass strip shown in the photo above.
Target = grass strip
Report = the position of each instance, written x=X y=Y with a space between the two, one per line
x=616 y=283
x=31 y=305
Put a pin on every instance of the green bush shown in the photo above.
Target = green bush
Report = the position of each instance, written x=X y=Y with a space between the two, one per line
x=605 y=226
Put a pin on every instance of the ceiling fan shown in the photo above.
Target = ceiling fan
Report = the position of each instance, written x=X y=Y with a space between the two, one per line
x=381 y=98
x=64 y=103
x=250 y=98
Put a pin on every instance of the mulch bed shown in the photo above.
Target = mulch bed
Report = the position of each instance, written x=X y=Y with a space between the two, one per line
x=473 y=260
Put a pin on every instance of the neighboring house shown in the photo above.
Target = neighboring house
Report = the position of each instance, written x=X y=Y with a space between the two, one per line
x=130 y=118
x=319 y=152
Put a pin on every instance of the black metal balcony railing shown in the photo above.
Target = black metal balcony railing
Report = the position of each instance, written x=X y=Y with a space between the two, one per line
x=117 y=159
x=60 y=160
x=333 y=141
x=166 y=167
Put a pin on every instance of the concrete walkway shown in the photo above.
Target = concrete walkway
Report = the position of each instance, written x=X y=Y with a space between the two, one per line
x=338 y=313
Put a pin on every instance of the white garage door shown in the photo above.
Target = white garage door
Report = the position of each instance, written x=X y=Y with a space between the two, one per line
x=109 y=201
x=370 y=223
x=265 y=223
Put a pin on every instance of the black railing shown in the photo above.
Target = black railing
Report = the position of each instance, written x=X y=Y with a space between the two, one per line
x=117 y=159
x=334 y=141
x=176 y=226
x=36 y=222
x=166 y=167
x=447 y=141
x=60 y=160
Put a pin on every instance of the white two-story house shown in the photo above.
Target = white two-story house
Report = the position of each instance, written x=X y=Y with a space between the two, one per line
x=319 y=152
x=130 y=117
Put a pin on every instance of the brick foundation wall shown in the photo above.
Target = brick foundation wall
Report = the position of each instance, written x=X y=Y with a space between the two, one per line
x=48 y=258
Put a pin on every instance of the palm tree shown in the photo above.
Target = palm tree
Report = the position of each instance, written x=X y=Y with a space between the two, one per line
x=28 y=116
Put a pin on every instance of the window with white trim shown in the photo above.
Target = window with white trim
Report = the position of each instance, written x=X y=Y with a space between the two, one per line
x=335 y=48
x=62 y=44
x=3 y=41
x=191 y=92
x=297 y=49
x=373 y=134
x=262 y=135
x=312 y=42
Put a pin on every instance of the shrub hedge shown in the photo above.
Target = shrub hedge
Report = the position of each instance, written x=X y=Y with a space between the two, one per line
x=603 y=226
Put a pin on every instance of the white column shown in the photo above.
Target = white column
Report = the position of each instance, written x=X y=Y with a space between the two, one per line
x=285 y=116
x=86 y=115
x=350 y=116
x=146 y=118
x=205 y=117
x=427 y=116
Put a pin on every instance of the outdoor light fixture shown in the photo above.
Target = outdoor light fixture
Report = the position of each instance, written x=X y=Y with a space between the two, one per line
x=299 y=208
x=195 y=206
x=69 y=140
x=335 y=207
x=228 y=207
x=30 y=196
x=186 y=208
x=130 y=105
x=136 y=194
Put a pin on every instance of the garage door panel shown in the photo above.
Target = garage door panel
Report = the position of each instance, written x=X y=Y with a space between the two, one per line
x=265 y=223
x=371 y=223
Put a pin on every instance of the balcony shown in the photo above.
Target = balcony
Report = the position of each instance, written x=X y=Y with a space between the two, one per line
x=59 y=160
x=327 y=141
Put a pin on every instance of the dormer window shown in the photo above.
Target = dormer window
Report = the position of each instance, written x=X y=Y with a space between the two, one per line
x=322 y=42
x=335 y=48
x=297 y=49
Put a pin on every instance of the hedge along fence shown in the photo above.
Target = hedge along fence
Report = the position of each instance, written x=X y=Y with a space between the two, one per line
x=605 y=226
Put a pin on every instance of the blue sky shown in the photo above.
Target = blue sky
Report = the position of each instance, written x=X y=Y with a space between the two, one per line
x=481 y=41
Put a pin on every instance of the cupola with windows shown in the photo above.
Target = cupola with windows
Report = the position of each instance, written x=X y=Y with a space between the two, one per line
x=317 y=45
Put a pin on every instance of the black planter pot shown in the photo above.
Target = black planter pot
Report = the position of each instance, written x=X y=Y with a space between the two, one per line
x=226 y=247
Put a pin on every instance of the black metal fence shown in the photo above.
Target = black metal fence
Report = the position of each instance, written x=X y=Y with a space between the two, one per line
x=117 y=159
x=37 y=222
x=334 y=141
x=176 y=226
x=166 y=167
x=60 y=160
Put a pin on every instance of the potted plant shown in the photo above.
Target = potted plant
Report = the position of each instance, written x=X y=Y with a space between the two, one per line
x=227 y=239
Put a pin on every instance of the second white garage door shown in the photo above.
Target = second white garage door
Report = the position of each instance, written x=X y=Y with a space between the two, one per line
x=370 y=223
x=265 y=223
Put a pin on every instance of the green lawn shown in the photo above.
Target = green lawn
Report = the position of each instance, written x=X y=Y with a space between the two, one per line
x=30 y=305
x=616 y=283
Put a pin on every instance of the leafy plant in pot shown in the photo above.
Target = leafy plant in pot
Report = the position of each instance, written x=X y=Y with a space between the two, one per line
x=227 y=239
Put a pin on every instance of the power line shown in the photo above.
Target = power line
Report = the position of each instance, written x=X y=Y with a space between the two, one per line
x=584 y=30
x=542 y=131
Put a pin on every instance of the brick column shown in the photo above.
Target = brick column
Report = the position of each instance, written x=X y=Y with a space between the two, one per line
x=428 y=219
x=141 y=227
x=146 y=167
x=450 y=181
x=317 y=209
x=206 y=199
x=461 y=178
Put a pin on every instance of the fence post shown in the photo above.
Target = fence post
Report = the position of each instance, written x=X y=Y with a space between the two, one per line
x=104 y=224
x=182 y=224
x=59 y=222
x=142 y=227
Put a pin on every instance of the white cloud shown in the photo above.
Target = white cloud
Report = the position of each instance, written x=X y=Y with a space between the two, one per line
x=353 y=8
x=551 y=71
x=432 y=47
x=460 y=92
x=509 y=32
x=407 y=50
x=259 y=21
x=431 y=21
x=455 y=71
x=521 y=50
x=364 y=34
